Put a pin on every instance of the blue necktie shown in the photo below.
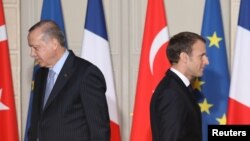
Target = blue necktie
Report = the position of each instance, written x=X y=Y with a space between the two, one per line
x=49 y=86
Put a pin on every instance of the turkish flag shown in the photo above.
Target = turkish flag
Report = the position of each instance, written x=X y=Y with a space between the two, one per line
x=153 y=65
x=8 y=121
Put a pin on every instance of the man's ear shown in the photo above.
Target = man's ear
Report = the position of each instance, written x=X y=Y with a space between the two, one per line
x=183 y=57
x=55 y=43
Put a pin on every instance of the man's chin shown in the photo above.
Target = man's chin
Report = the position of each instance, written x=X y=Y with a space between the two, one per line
x=39 y=63
x=201 y=74
x=36 y=62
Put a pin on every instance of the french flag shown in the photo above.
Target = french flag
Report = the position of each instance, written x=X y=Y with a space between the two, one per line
x=95 y=48
x=239 y=97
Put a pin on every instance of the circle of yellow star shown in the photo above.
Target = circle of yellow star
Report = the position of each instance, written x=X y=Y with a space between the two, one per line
x=222 y=120
x=214 y=40
x=205 y=106
x=197 y=84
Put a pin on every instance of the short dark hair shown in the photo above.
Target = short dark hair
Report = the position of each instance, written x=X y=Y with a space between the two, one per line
x=51 y=30
x=181 y=42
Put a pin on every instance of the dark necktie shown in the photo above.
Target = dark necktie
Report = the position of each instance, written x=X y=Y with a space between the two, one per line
x=49 y=85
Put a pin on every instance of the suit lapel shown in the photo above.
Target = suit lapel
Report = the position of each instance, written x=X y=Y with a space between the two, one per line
x=192 y=97
x=188 y=93
x=63 y=77
x=42 y=79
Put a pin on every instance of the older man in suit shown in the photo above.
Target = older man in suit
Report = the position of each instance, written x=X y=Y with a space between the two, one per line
x=174 y=112
x=75 y=108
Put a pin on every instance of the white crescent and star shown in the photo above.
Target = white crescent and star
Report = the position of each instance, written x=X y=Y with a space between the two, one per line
x=2 y=106
x=3 y=35
x=160 y=39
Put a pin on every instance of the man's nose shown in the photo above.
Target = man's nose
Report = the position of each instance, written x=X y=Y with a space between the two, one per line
x=32 y=53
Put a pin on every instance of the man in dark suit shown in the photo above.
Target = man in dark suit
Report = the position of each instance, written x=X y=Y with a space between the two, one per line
x=174 y=112
x=76 y=108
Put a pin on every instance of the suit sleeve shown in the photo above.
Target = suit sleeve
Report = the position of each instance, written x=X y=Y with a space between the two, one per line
x=95 y=104
x=173 y=112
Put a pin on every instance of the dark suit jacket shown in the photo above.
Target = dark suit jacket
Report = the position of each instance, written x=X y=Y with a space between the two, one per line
x=76 y=109
x=174 y=112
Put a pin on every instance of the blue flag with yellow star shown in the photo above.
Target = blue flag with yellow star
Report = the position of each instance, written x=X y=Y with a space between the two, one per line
x=51 y=10
x=215 y=82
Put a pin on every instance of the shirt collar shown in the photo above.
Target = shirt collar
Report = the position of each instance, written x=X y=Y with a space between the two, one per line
x=59 y=64
x=182 y=77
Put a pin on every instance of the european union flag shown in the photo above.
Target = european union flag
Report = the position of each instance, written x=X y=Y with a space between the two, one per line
x=214 y=84
x=51 y=10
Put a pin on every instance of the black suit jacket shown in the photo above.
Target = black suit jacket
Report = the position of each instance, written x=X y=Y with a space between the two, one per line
x=76 y=109
x=174 y=112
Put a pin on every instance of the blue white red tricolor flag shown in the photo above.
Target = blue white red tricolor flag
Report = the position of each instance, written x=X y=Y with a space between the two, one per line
x=239 y=97
x=95 y=48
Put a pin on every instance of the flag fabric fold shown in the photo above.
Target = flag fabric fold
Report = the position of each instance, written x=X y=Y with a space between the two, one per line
x=95 y=48
x=214 y=84
x=239 y=98
x=51 y=10
x=8 y=118
x=153 y=65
